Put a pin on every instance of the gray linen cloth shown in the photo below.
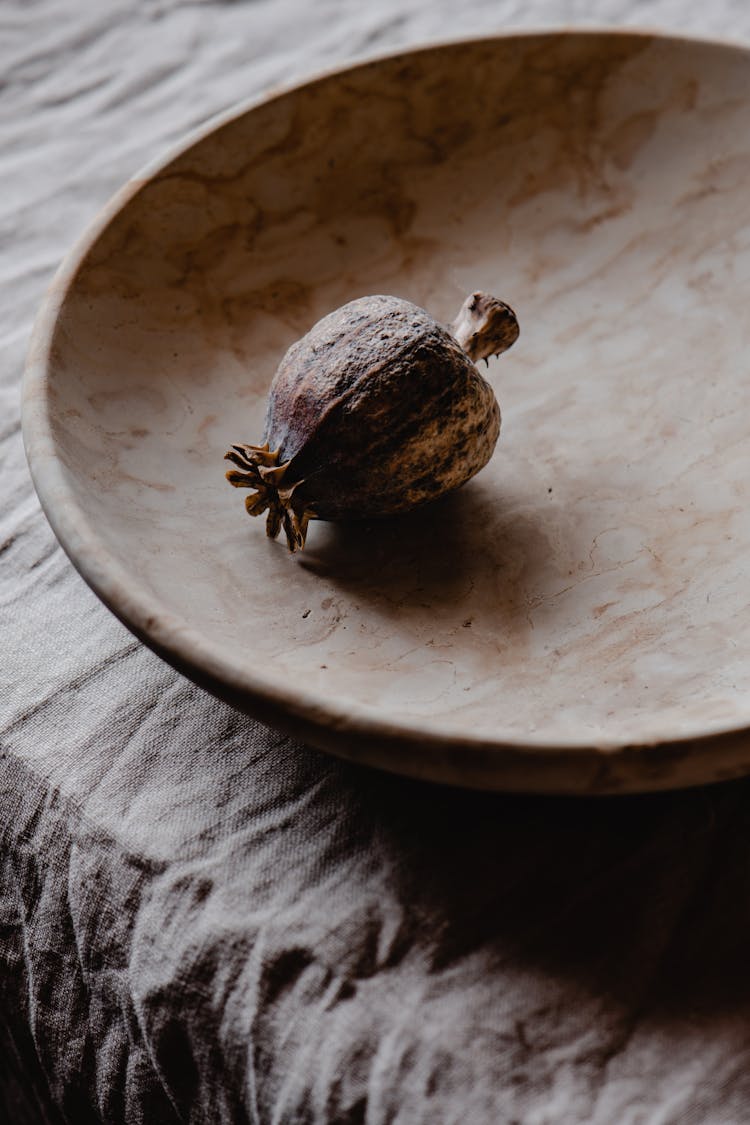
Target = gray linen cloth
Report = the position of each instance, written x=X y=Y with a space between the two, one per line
x=203 y=921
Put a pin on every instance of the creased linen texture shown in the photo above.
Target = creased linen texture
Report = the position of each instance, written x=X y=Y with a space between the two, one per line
x=201 y=920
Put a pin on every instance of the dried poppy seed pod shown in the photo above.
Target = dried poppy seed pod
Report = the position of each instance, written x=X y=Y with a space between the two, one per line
x=376 y=410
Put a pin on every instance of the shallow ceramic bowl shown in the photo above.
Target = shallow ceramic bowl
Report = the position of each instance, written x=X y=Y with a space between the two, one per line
x=577 y=618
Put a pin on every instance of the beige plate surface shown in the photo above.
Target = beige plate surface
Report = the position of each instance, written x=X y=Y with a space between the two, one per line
x=578 y=617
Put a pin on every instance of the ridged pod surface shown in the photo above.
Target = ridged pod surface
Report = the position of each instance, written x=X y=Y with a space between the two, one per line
x=378 y=409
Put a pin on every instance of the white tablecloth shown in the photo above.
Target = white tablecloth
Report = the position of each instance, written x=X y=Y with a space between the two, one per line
x=203 y=921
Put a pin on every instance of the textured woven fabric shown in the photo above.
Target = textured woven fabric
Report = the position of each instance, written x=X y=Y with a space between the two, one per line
x=203 y=921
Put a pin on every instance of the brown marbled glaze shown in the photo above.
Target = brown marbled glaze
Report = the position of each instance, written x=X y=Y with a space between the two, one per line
x=578 y=617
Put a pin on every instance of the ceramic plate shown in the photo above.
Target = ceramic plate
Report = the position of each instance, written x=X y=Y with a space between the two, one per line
x=577 y=618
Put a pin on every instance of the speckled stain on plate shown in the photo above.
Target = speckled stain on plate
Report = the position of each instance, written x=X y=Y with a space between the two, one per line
x=577 y=618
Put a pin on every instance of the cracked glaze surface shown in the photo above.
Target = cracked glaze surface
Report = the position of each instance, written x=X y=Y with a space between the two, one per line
x=588 y=589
